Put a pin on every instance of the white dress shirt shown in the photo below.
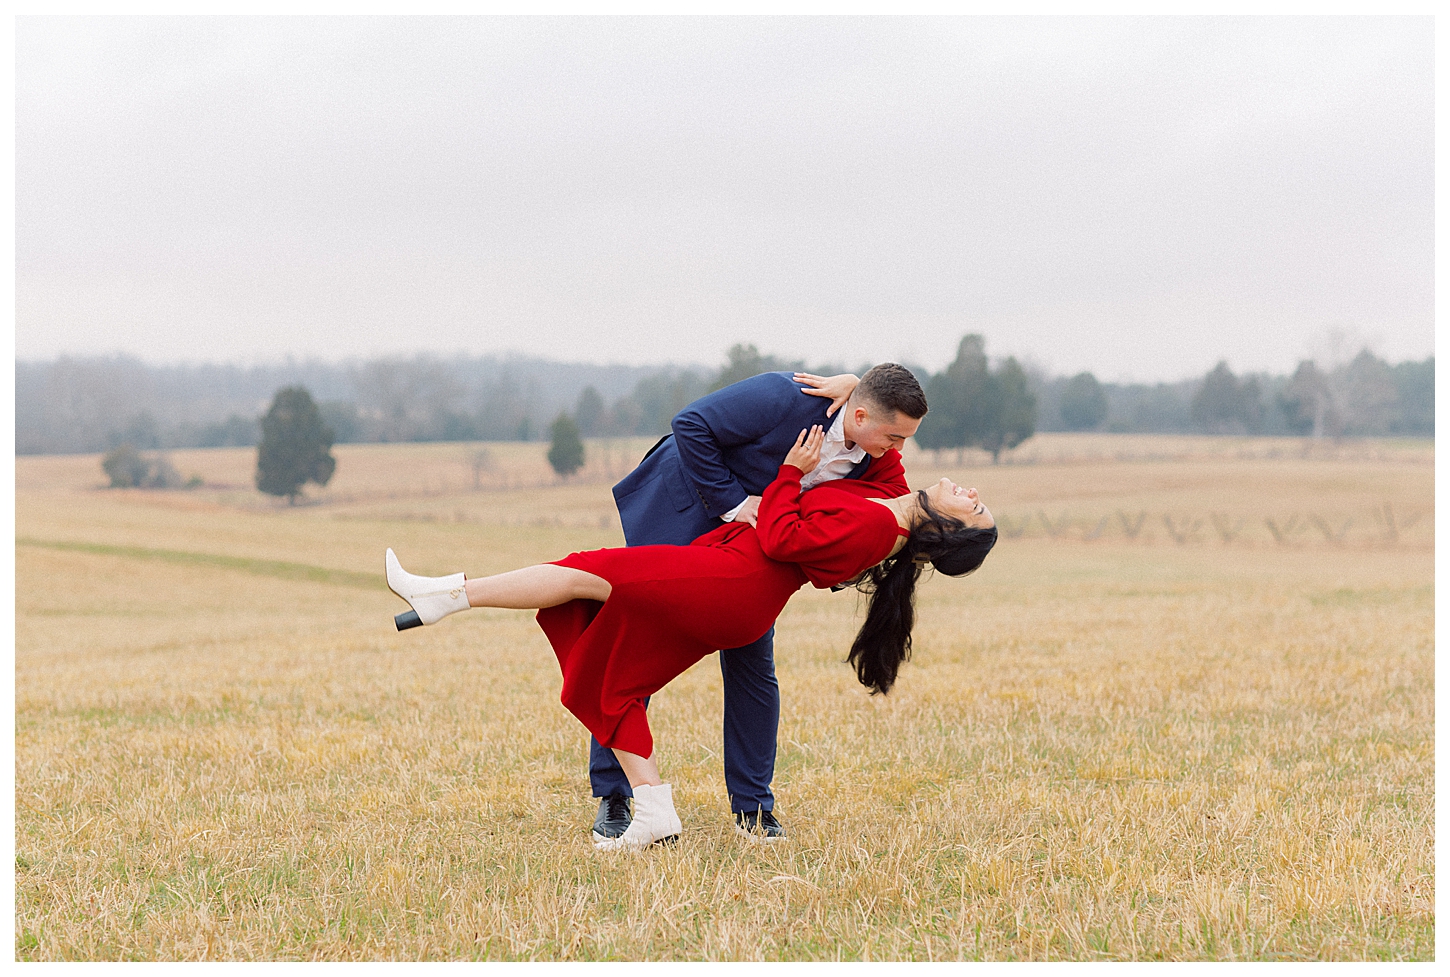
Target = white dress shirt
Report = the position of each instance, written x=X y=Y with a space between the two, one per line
x=836 y=461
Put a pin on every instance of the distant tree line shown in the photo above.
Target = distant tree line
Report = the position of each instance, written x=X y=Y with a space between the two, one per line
x=653 y=402
x=71 y=405
x=1365 y=397
x=97 y=405
x=75 y=405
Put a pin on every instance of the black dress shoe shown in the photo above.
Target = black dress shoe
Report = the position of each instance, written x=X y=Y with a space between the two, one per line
x=759 y=826
x=613 y=817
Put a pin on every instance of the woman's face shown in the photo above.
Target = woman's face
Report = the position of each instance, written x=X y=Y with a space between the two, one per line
x=949 y=498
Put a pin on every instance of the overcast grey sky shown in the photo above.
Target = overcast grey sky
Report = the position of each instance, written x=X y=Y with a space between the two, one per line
x=1139 y=197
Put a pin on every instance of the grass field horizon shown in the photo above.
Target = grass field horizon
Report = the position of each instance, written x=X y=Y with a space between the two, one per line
x=1184 y=711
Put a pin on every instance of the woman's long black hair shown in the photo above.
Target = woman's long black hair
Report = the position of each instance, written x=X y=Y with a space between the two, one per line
x=884 y=641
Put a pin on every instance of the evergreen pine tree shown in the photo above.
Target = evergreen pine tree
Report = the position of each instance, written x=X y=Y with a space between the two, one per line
x=959 y=398
x=1012 y=416
x=296 y=445
x=566 y=449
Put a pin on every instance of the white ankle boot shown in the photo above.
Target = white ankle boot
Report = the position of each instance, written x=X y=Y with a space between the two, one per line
x=432 y=598
x=654 y=820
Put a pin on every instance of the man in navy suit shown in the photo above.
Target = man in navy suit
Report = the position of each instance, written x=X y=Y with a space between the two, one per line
x=725 y=449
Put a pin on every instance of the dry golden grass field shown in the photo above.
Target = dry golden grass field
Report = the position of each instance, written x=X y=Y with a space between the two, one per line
x=1185 y=711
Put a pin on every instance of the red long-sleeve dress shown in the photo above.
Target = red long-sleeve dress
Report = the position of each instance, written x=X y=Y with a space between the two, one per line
x=670 y=606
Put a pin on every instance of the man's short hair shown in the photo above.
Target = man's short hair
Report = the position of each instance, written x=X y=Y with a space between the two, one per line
x=893 y=387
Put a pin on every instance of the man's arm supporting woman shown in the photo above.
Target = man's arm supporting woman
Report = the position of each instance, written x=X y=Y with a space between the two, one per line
x=740 y=414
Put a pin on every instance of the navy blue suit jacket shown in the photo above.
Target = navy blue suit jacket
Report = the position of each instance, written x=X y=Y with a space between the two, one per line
x=725 y=446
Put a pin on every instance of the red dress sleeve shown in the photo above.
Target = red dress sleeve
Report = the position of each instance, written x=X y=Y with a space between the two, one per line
x=833 y=536
x=886 y=472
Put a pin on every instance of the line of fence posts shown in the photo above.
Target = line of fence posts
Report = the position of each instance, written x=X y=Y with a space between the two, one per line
x=1228 y=527
x=1182 y=529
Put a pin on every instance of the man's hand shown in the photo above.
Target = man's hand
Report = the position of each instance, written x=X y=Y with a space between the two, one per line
x=748 y=510
x=806 y=453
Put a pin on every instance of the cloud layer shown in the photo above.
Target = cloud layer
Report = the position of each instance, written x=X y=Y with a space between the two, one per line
x=1138 y=197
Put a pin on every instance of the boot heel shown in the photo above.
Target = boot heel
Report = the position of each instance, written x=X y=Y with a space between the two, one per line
x=408 y=619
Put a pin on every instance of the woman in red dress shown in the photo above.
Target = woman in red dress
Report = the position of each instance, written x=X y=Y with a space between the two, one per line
x=623 y=622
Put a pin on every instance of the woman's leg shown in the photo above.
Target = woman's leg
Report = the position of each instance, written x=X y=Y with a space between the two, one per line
x=543 y=585
x=640 y=770
x=434 y=598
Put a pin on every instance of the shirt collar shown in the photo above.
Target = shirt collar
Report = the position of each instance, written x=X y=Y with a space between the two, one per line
x=837 y=435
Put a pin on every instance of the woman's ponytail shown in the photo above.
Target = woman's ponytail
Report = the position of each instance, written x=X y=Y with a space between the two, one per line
x=884 y=641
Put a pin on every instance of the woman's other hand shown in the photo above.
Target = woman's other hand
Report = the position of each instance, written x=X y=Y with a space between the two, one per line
x=806 y=453
x=838 y=388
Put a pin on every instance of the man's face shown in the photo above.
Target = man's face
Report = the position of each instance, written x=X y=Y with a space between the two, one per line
x=876 y=430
